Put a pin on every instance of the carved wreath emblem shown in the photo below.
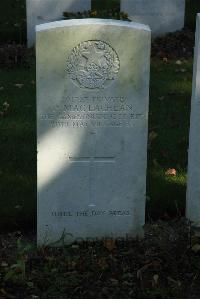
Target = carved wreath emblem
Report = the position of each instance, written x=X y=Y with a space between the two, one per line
x=93 y=64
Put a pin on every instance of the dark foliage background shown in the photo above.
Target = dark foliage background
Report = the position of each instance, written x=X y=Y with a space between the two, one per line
x=13 y=17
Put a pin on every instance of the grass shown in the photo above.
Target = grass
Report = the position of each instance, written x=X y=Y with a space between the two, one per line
x=12 y=20
x=168 y=123
x=170 y=97
x=170 y=88
x=18 y=148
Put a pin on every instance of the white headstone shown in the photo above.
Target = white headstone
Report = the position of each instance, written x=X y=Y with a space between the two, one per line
x=44 y=11
x=161 y=15
x=92 y=114
x=193 y=184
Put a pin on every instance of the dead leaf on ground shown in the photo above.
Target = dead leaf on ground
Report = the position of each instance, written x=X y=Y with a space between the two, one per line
x=152 y=135
x=19 y=85
x=109 y=244
x=4 y=264
x=102 y=263
x=171 y=171
x=155 y=280
x=196 y=248
x=114 y=281
x=161 y=98
x=6 y=106
x=178 y=62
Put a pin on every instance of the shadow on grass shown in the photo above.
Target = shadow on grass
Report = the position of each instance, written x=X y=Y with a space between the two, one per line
x=168 y=118
x=165 y=195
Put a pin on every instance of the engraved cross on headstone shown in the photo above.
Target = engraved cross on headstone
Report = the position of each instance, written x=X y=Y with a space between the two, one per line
x=92 y=162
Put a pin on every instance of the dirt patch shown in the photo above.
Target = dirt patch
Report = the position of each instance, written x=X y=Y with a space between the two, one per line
x=164 y=265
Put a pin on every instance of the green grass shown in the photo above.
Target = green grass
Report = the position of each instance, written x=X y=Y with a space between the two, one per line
x=168 y=118
x=18 y=148
x=12 y=20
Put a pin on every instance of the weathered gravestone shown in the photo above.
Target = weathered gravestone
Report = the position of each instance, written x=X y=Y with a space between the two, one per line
x=44 y=11
x=193 y=184
x=161 y=15
x=92 y=114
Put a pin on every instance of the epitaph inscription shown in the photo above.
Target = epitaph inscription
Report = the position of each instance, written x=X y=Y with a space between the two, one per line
x=93 y=65
x=94 y=111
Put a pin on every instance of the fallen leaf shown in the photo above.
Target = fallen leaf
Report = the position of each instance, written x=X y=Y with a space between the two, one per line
x=19 y=85
x=171 y=171
x=109 y=244
x=6 y=106
x=75 y=246
x=102 y=263
x=4 y=264
x=196 y=248
x=29 y=284
x=161 y=98
x=18 y=207
x=152 y=135
x=114 y=281
x=155 y=280
x=178 y=62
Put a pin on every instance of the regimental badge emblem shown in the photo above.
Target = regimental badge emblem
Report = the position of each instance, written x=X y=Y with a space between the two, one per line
x=93 y=64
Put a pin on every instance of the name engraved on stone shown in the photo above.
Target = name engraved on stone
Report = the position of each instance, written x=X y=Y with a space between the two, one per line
x=93 y=65
x=101 y=111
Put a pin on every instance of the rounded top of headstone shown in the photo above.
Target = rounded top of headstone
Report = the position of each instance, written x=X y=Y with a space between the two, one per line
x=92 y=21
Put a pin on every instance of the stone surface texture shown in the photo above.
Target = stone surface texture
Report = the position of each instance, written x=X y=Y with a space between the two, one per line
x=92 y=116
x=193 y=184
x=162 y=16
x=44 y=11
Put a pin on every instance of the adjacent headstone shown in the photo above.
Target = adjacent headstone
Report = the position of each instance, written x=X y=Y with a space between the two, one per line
x=193 y=184
x=92 y=115
x=44 y=11
x=161 y=15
